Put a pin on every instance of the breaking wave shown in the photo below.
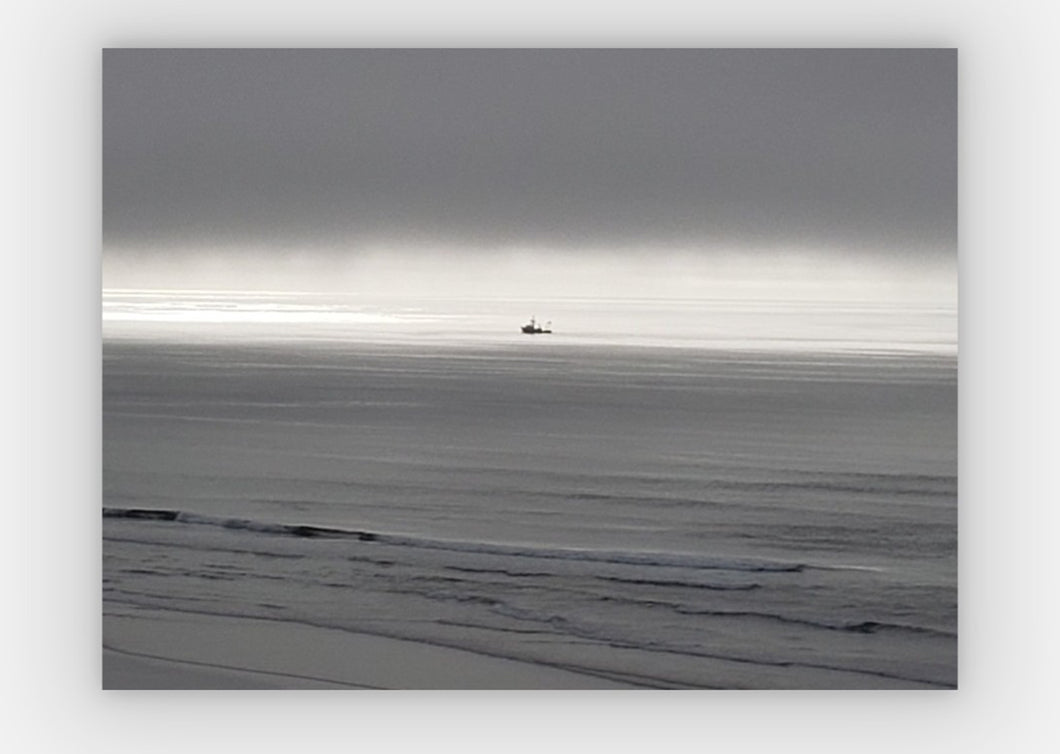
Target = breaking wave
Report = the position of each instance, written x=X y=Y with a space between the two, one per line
x=624 y=557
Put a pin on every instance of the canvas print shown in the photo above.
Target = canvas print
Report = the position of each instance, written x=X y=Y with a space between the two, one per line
x=529 y=369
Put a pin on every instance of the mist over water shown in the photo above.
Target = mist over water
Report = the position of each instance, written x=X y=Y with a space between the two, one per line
x=734 y=198
x=774 y=302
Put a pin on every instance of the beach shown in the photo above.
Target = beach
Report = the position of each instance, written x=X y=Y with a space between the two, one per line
x=186 y=650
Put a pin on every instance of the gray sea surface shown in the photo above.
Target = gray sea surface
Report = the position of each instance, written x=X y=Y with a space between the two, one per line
x=678 y=513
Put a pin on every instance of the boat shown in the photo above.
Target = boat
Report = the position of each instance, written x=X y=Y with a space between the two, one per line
x=535 y=329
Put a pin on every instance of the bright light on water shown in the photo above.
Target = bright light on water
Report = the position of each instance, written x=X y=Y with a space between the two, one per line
x=745 y=323
x=795 y=300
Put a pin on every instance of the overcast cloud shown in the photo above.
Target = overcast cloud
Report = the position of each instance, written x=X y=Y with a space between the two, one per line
x=341 y=150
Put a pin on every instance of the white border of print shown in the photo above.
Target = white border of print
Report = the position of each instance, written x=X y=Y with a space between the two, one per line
x=1008 y=395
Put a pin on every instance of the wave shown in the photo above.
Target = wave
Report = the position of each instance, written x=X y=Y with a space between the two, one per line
x=859 y=627
x=624 y=557
x=683 y=584
x=295 y=530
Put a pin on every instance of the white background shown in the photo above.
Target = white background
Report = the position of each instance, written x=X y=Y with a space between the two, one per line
x=1009 y=452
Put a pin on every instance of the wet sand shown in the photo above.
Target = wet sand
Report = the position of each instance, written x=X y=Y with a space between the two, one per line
x=161 y=650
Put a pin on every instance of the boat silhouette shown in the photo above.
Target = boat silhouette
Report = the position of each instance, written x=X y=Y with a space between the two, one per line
x=534 y=329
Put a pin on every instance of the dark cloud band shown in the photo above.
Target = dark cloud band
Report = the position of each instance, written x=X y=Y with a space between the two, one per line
x=485 y=149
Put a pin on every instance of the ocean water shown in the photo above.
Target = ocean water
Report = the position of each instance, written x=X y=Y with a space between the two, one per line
x=720 y=494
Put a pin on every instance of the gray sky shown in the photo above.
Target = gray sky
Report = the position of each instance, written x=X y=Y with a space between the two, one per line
x=336 y=151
